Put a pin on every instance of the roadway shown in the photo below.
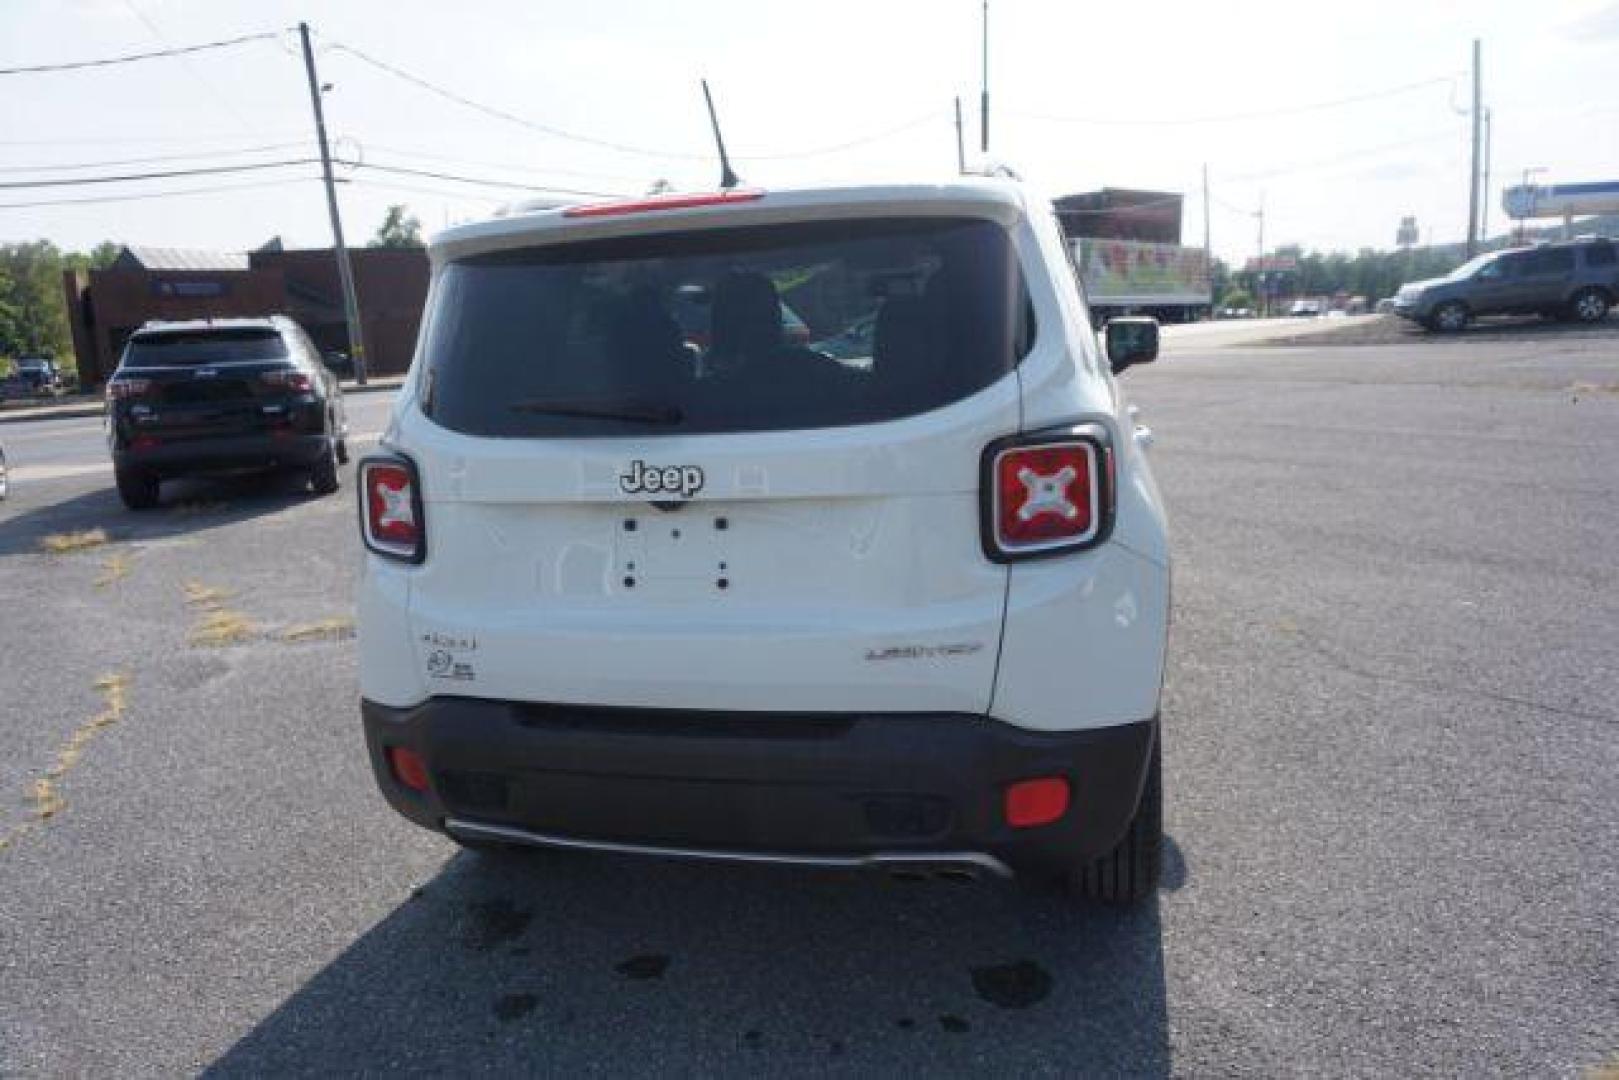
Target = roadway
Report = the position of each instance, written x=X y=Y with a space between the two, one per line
x=1390 y=756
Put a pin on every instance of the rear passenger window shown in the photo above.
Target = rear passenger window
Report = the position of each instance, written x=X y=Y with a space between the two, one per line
x=801 y=325
x=1551 y=261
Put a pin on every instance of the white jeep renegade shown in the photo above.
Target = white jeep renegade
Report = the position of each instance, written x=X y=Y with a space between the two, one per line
x=795 y=527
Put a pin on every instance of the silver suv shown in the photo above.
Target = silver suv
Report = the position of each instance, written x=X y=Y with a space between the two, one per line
x=1576 y=280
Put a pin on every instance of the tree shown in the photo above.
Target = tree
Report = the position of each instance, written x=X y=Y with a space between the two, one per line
x=400 y=229
x=33 y=306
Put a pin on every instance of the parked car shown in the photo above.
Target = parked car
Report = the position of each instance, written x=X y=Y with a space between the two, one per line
x=1385 y=306
x=5 y=476
x=221 y=396
x=1306 y=309
x=774 y=608
x=34 y=376
x=1576 y=280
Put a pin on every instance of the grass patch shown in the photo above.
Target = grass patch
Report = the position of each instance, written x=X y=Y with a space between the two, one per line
x=220 y=627
x=114 y=570
x=68 y=542
x=206 y=597
x=333 y=629
x=45 y=798
x=217 y=625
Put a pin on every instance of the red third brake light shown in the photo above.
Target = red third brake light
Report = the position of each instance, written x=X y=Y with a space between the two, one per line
x=663 y=202
x=391 y=509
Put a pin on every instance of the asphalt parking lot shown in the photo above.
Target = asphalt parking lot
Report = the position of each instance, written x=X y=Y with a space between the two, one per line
x=1392 y=733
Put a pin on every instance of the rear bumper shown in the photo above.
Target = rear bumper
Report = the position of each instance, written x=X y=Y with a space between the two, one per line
x=840 y=790
x=225 y=453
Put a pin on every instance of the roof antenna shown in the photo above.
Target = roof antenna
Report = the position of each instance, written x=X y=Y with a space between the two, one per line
x=728 y=178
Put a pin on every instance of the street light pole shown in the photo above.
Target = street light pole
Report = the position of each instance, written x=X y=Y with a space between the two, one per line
x=1478 y=136
x=1484 y=206
x=345 y=272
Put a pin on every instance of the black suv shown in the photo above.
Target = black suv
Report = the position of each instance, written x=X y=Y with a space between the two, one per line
x=222 y=395
x=1576 y=279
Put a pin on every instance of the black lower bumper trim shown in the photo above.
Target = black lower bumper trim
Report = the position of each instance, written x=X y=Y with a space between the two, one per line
x=845 y=789
x=229 y=453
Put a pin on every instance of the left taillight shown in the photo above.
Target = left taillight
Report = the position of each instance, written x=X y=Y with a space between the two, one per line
x=1047 y=493
x=391 y=519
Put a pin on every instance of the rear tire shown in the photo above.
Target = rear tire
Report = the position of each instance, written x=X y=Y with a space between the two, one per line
x=1129 y=873
x=1589 y=306
x=323 y=474
x=1451 y=317
x=139 y=488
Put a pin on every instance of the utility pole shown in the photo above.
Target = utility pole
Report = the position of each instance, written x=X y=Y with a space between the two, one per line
x=1208 y=252
x=345 y=272
x=1484 y=206
x=1259 y=275
x=983 y=117
x=1478 y=136
x=961 y=152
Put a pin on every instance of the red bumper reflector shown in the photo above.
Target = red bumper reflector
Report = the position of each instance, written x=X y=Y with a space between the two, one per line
x=409 y=768
x=1036 y=802
x=145 y=442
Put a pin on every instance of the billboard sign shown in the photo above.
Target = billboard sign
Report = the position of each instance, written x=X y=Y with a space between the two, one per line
x=1135 y=272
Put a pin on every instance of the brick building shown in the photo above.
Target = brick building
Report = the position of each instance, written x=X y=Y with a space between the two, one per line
x=106 y=306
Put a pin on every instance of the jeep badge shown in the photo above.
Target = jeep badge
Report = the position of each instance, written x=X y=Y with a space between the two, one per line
x=682 y=480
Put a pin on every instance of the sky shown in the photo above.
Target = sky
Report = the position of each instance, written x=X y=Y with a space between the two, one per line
x=604 y=97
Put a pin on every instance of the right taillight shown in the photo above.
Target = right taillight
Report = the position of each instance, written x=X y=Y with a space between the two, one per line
x=391 y=508
x=122 y=388
x=1047 y=493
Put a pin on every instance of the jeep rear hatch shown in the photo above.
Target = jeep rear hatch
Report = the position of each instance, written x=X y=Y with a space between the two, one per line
x=643 y=487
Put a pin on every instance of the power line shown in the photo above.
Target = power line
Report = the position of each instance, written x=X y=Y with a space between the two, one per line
x=456 y=159
x=219 y=98
x=166 y=174
x=502 y=114
x=900 y=129
x=1286 y=110
x=1421 y=140
x=176 y=193
x=430 y=174
x=75 y=166
x=130 y=58
x=608 y=144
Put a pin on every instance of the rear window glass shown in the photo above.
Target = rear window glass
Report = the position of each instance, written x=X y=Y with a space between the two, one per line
x=768 y=327
x=184 y=348
x=1550 y=261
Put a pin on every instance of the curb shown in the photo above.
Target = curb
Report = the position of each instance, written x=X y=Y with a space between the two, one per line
x=31 y=414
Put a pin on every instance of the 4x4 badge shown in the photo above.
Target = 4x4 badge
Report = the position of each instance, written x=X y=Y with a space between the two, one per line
x=682 y=480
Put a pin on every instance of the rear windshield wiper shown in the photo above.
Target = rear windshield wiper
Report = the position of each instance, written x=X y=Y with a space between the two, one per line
x=642 y=412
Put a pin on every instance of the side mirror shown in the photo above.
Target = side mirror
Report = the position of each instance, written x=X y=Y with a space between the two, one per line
x=338 y=363
x=1131 y=339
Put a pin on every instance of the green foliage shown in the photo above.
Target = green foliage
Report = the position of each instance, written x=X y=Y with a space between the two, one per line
x=400 y=229
x=1368 y=273
x=33 y=303
x=1236 y=298
x=33 y=307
